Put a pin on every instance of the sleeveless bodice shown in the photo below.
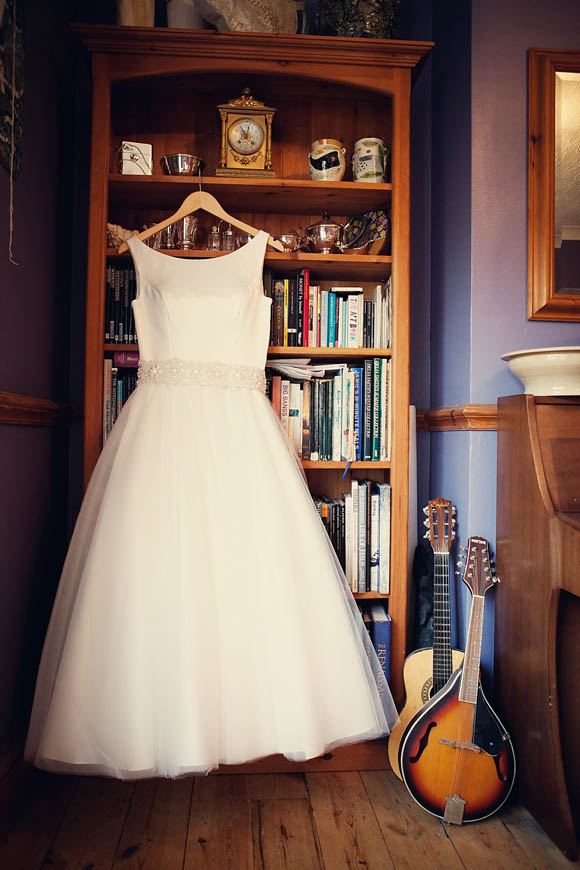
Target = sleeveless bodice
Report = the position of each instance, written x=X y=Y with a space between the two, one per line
x=210 y=310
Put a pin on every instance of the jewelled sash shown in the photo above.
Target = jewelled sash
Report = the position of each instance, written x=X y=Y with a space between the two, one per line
x=201 y=373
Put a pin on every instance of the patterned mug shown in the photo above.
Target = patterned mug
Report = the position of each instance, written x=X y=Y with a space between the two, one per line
x=369 y=160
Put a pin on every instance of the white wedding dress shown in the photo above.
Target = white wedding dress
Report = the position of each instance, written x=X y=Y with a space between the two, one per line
x=202 y=617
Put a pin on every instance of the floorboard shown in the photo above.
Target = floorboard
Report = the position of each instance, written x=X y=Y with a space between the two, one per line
x=296 y=821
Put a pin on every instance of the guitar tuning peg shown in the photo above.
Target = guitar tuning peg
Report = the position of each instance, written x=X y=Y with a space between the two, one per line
x=426 y=523
x=496 y=580
x=426 y=536
x=459 y=573
x=454 y=510
x=463 y=548
x=426 y=509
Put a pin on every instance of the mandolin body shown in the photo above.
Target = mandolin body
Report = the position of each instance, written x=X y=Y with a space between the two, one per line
x=418 y=680
x=456 y=758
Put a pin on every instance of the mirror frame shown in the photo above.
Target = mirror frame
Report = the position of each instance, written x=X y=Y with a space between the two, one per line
x=543 y=301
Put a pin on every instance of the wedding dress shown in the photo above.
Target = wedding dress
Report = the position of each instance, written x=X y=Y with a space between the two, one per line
x=202 y=617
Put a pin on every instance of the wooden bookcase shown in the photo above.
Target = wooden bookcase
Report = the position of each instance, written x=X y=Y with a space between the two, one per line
x=162 y=86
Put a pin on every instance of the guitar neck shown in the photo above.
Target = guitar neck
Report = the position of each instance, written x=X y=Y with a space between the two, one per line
x=442 y=666
x=470 y=676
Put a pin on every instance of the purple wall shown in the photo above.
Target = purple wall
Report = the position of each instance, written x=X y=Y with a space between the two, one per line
x=479 y=276
x=34 y=360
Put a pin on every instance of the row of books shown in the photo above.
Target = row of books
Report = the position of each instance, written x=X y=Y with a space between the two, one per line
x=118 y=384
x=120 y=290
x=377 y=621
x=359 y=527
x=306 y=315
x=344 y=417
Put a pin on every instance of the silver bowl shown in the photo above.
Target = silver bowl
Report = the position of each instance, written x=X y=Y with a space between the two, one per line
x=291 y=242
x=181 y=164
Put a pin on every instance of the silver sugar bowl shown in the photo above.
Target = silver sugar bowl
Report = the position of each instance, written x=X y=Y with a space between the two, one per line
x=325 y=235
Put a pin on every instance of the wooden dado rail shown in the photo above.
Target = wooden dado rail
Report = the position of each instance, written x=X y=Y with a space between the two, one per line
x=31 y=411
x=458 y=417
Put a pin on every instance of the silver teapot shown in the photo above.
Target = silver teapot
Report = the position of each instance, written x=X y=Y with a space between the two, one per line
x=327 y=236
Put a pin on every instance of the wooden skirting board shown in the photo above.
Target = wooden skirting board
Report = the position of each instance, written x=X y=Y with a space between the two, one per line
x=23 y=410
x=458 y=417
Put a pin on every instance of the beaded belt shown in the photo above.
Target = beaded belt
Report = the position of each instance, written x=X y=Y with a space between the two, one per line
x=203 y=374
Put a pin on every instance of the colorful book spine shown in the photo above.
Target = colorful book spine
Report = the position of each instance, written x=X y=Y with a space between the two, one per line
x=367 y=410
x=376 y=410
x=384 y=490
x=381 y=636
x=362 y=536
x=358 y=413
x=331 y=319
x=126 y=358
x=285 y=404
x=324 y=318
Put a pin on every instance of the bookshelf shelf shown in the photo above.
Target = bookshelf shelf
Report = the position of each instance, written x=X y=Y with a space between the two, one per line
x=369 y=596
x=320 y=464
x=158 y=86
x=352 y=267
x=281 y=195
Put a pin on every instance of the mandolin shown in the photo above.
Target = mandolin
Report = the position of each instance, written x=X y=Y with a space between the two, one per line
x=456 y=758
x=426 y=671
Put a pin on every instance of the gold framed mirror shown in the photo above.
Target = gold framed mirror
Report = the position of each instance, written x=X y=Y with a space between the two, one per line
x=553 y=185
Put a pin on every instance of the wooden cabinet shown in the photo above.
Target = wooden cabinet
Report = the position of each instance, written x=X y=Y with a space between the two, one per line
x=162 y=87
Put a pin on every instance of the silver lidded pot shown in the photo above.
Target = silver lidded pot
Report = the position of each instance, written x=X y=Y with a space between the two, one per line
x=325 y=235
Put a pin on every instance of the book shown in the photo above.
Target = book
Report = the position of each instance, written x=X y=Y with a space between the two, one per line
x=324 y=318
x=358 y=413
x=354 y=568
x=376 y=410
x=277 y=321
x=306 y=390
x=126 y=358
x=337 y=384
x=367 y=398
x=331 y=319
x=107 y=370
x=285 y=404
x=362 y=536
x=294 y=416
x=374 y=548
x=381 y=636
x=292 y=328
x=276 y=393
x=352 y=321
x=306 y=320
x=384 y=491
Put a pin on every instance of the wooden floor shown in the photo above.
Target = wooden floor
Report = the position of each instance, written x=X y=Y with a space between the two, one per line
x=250 y=822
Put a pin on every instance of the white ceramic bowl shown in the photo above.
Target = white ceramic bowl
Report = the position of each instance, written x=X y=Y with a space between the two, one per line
x=547 y=371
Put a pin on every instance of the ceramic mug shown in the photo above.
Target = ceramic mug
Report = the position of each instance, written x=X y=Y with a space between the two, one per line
x=327 y=160
x=369 y=160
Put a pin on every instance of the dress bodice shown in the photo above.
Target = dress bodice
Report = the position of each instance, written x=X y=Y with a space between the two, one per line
x=206 y=310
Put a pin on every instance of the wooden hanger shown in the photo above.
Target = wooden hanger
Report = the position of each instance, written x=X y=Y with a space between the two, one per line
x=196 y=201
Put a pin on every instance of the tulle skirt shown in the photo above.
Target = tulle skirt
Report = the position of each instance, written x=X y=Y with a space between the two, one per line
x=202 y=617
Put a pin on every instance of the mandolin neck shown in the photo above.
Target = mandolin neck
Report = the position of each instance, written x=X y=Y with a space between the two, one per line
x=470 y=676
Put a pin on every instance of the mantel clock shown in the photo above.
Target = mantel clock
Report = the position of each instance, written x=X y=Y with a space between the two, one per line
x=246 y=140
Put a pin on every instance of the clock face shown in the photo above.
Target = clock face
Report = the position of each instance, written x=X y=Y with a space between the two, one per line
x=246 y=136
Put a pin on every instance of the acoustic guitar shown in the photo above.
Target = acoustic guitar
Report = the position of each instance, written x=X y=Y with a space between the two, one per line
x=456 y=758
x=426 y=671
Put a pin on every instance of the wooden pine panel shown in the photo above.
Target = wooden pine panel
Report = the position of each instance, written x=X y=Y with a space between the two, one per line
x=284 y=836
x=155 y=831
x=38 y=803
x=79 y=844
x=414 y=838
x=347 y=828
x=220 y=825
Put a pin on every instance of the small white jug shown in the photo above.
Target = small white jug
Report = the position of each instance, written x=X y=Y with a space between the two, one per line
x=369 y=160
x=327 y=160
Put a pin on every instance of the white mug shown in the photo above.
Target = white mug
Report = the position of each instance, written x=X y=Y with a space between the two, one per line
x=369 y=160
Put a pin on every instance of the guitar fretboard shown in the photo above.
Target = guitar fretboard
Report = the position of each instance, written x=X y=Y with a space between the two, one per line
x=441 y=622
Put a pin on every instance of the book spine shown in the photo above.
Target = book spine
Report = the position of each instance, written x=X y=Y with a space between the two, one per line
x=107 y=369
x=381 y=633
x=354 y=495
x=367 y=410
x=368 y=485
x=306 y=308
x=383 y=410
x=384 y=538
x=352 y=321
x=306 y=403
x=358 y=415
x=331 y=319
x=300 y=330
x=286 y=311
x=133 y=296
x=292 y=312
x=318 y=315
x=278 y=314
x=126 y=305
x=107 y=301
x=285 y=404
x=324 y=318
x=362 y=537
x=378 y=317
x=374 y=547
x=376 y=408
x=336 y=417
x=360 y=317
x=128 y=358
x=276 y=393
x=295 y=423
x=312 y=316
